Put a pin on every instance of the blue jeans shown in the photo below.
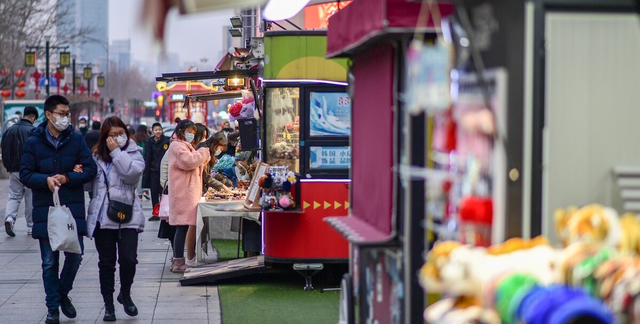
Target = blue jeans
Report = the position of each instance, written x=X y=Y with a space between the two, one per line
x=55 y=286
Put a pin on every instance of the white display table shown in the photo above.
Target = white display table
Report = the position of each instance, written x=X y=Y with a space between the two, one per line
x=221 y=208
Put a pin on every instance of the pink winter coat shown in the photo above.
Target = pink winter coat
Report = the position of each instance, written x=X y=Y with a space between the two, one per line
x=185 y=181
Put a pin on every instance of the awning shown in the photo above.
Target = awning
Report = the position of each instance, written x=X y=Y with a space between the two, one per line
x=364 y=22
x=206 y=75
x=215 y=96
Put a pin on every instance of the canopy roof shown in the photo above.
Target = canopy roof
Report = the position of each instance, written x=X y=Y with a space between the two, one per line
x=364 y=22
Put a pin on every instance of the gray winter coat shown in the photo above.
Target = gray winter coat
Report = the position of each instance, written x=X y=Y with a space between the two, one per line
x=125 y=173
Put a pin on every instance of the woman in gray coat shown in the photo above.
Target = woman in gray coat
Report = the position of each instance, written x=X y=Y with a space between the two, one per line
x=120 y=166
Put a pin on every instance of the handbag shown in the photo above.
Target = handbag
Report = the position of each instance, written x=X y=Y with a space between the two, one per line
x=118 y=212
x=61 y=227
x=163 y=212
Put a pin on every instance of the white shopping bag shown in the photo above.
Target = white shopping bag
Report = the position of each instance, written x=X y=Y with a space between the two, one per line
x=61 y=227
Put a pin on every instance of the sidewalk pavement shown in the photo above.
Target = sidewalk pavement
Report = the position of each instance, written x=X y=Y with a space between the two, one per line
x=156 y=291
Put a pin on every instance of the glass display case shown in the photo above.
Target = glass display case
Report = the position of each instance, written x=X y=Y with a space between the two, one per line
x=283 y=129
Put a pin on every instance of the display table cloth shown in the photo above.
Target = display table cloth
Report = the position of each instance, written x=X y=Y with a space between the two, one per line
x=221 y=208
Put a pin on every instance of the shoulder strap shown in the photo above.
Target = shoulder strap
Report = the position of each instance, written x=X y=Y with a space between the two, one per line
x=106 y=178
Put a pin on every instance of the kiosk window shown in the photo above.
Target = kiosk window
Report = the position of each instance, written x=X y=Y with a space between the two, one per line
x=283 y=127
x=329 y=114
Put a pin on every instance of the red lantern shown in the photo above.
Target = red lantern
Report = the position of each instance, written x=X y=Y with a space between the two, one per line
x=96 y=94
x=4 y=72
x=21 y=84
x=5 y=94
x=20 y=94
x=82 y=88
x=65 y=89
x=20 y=73
x=36 y=75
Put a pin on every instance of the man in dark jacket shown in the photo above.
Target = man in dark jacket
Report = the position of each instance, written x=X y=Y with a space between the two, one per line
x=92 y=137
x=56 y=156
x=83 y=127
x=12 y=145
x=155 y=148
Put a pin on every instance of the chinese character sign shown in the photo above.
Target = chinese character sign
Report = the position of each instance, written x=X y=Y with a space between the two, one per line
x=330 y=157
x=330 y=114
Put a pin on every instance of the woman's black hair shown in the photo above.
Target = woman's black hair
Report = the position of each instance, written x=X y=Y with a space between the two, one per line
x=182 y=127
x=202 y=132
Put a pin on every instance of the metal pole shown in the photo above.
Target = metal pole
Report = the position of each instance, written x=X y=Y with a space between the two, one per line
x=47 y=72
x=73 y=63
x=89 y=96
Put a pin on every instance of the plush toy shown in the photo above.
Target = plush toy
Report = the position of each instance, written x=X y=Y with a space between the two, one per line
x=285 y=201
x=591 y=224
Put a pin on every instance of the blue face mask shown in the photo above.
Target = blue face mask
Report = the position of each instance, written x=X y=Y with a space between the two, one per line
x=189 y=137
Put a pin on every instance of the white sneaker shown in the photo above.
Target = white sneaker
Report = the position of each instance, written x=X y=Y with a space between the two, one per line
x=29 y=230
x=191 y=262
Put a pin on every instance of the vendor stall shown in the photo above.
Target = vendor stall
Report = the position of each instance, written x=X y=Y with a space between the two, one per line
x=177 y=92
x=300 y=127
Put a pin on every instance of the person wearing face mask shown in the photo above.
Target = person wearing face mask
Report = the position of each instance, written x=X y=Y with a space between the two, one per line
x=12 y=146
x=217 y=144
x=120 y=166
x=155 y=149
x=83 y=127
x=56 y=156
x=185 y=188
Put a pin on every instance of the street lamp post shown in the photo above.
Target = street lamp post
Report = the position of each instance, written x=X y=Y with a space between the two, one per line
x=46 y=73
x=47 y=49
x=73 y=67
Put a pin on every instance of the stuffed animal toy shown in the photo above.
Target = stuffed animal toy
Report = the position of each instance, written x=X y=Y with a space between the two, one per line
x=591 y=224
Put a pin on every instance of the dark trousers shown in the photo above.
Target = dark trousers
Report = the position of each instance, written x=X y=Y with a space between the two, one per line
x=156 y=190
x=54 y=284
x=124 y=250
x=179 y=240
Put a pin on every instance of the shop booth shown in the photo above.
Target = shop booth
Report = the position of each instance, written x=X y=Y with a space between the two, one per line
x=176 y=93
x=300 y=132
x=443 y=232
x=431 y=180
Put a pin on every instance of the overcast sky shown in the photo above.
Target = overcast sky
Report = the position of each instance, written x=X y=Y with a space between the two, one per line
x=193 y=37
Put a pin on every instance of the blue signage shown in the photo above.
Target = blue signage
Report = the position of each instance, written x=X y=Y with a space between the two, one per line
x=330 y=114
x=330 y=157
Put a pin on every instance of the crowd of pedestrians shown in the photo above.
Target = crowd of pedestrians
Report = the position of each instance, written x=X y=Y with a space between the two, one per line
x=111 y=163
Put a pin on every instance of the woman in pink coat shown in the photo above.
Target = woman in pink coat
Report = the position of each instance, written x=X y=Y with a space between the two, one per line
x=185 y=187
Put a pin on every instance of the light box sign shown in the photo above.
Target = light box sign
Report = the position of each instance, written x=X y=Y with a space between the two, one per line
x=330 y=114
x=329 y=157
x=177 y=97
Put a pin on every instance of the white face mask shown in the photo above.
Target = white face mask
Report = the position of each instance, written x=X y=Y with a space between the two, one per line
x=218 y=151
x=122 y=140
x=61 y=123
x=83 y=126
x=189 y=137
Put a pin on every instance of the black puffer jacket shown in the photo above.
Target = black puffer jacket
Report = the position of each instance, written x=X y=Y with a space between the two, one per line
x=13 y=144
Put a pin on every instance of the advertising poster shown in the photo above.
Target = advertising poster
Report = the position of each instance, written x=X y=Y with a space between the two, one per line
x=330 y=114
x=330 y=157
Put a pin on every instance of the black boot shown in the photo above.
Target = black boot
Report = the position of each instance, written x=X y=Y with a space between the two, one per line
x=109 y=309
x=129 y=307
x=53 y=316
x=67 y=307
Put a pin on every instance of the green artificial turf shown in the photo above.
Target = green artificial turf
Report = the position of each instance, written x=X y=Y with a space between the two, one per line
x=277 y=296
x=227 y=249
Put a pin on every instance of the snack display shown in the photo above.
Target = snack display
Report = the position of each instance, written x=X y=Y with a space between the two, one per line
x=217 y=195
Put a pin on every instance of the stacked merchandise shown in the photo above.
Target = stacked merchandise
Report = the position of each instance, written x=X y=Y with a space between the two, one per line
x=595 y=278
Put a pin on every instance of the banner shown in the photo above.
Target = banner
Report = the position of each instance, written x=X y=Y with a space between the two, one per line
x=330 y=114
x=30 y=59
x=65 y=59
x=330 y=157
